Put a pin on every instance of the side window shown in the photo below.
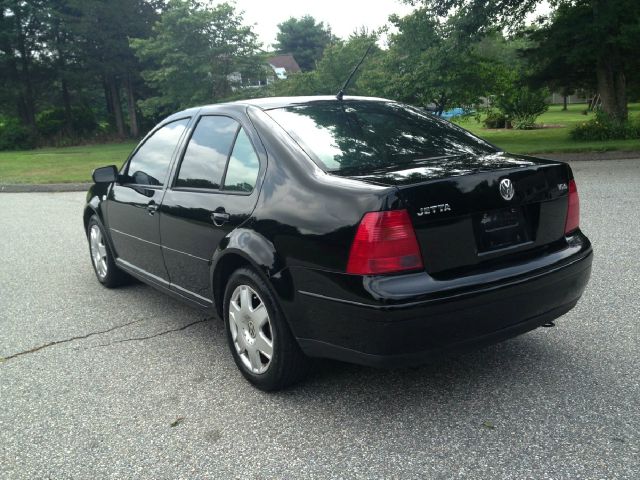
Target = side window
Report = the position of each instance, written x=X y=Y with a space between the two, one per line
x=244 y=166
x=150 y=163
x=206 y=155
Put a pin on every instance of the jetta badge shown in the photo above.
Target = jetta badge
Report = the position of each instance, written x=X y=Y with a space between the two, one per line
x=506 y=189
x=443 y=207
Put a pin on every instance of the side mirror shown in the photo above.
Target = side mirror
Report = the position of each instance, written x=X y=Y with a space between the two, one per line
x=105 y=174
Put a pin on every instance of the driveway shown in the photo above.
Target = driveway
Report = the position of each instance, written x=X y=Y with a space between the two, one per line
x=128 y=383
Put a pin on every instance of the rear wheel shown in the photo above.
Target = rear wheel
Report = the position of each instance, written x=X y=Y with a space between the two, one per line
x=259 y=338
x=102 y=259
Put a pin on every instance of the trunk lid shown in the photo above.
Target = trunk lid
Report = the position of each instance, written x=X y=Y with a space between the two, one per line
x=462 y=220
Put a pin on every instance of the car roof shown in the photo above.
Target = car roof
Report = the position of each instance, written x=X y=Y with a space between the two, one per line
x=269 y=103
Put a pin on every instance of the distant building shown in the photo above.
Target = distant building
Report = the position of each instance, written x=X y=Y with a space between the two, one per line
x=283 y=64
x=278 y=66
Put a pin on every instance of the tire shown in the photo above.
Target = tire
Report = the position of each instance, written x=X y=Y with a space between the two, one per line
x=256 y=328
x=104 y=266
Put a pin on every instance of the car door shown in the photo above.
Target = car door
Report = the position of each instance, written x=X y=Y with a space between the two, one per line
x=133 y=202
x=214 y=190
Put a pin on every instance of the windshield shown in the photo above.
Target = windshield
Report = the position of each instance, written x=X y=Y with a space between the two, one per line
x=365 y=135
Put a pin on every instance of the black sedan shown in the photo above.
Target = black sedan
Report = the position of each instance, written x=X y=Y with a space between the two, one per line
x=352 y=228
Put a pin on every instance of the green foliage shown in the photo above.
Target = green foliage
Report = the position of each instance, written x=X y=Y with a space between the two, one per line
x=15 y=136
x=332 y=71
x=52 y=122
x=599 y=37
x=522 y=106
x=192 y=51
x=495 y=119
x=428 y=64
x=603 y=127
x=70 y=73
x=561 y=51
x=544 y=140
x=342 y=57
x=304 y=39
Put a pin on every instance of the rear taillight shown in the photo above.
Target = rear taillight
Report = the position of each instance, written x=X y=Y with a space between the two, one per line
x=573 y=212
x=384 y=243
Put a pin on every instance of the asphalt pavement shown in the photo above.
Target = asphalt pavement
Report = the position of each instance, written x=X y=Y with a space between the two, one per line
x=128 y=383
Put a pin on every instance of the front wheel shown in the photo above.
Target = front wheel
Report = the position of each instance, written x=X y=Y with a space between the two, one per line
x=261 y=343
x=104 y=265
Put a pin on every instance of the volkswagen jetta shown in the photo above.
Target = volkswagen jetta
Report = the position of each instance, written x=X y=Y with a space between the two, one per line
x=351 y=228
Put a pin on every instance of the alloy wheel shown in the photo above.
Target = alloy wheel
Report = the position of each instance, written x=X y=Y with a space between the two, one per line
x=251 y=330
x=98 y=251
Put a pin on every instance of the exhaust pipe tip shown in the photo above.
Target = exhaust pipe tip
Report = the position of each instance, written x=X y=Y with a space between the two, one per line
x=549 y=325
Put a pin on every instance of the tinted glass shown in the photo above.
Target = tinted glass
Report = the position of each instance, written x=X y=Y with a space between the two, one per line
x=364 y=135
x=206 y=155
x=243 y=168
x=150 y=164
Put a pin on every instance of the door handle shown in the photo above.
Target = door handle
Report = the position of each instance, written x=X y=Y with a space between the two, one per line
x=220 y=218
x=152 y=208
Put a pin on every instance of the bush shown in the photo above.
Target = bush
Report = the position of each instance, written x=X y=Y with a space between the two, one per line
x=51 y=122
x=15 y=136
x=495 y=120
x=603 y=127
x=523 y=106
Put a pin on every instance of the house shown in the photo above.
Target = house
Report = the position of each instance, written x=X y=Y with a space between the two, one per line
x=278 y=66
x=283 y=64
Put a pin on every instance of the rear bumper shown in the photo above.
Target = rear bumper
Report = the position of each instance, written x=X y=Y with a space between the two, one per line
x=380 y=329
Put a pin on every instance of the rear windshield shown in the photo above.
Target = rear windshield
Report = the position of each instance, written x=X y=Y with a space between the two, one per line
x=365 y=135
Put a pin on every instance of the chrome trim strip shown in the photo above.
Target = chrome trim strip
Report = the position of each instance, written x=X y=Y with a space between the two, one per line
x=185 y=253
x=189 y=292
x=133 y=236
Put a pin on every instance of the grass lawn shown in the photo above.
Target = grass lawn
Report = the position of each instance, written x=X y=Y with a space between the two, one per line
x=547 y=140
x=60 y=165
x=75 y=164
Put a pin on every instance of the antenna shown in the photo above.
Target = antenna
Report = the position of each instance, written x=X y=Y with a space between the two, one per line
x=346 y=84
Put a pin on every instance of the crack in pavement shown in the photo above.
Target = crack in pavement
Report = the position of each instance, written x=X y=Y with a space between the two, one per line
x=67 y=340
x=159 y=334
x=88 y=335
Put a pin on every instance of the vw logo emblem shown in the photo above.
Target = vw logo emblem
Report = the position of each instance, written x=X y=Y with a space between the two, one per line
x=506 y=189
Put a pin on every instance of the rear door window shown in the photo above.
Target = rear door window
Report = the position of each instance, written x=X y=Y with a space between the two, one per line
x=206 y=155
x=244 y=165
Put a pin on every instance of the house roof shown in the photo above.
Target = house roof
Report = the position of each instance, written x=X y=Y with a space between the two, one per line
x=285 y=61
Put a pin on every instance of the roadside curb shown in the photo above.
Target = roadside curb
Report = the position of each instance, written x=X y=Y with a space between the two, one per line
x=579 y=156
x=44 y=187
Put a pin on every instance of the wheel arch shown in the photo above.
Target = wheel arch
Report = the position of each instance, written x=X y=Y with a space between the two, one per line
x=86 y=216
x=247 y=248
x=93 y=208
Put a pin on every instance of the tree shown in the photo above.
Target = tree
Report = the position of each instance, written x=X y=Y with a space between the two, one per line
x=612 y=27
x=341 y=58
x=332 y=71
x=304 y=39
x=56 y=55
x=20 y=44
x=561 y=53
x=427 y=64
x=192 y=52
x=105 y=27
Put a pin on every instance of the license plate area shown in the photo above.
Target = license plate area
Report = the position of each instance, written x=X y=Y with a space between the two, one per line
x=498 y=229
